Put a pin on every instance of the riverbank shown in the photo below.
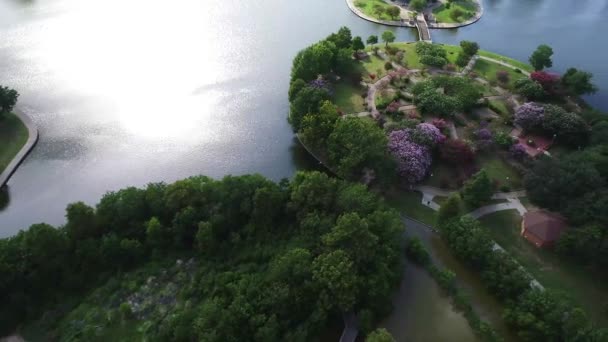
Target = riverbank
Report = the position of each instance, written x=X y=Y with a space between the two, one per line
x=17 y=138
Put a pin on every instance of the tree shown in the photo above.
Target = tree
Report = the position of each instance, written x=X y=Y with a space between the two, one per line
x=378 y=10
x=450 y=209
x=8 y=99
x=477 y=190
x=434 y=61
x=529 y=89
x=469 y=48
x=548 y=81
x=388 y=37
x=380 y=335
x=553 y=184
x=295 y=87
x=307 y=100
x=354 y=144
x=578 y=82
x=413 y=160
x=569 y=127
x=336 y=274
x=154 y=234
x=342 y=39
x=358 y=44
x=312 y=61
x=456 y=13
x=81 y=222
x=393 y=11
x=418 y=5
x=316 y=128
x=530 y=116
x=371 y=40
x=541 y=57
x=457 y=152
x=503 y=76
x=462 y=60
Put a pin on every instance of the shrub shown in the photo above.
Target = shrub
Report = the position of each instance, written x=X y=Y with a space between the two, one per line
x=388 y=66
x=530 y=116
x=414 y=249
x=456 y=151
x=502 y=76
x=518 y=151
x=413 y=160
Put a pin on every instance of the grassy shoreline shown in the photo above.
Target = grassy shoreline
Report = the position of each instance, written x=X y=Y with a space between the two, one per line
x=13 y=135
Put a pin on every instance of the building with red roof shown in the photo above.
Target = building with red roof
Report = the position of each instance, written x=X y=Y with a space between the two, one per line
x=542 y=228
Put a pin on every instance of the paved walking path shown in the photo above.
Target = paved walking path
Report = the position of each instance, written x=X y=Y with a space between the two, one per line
x=32 y=139
x=469 y=66
x=512 y=203
x=505 y=64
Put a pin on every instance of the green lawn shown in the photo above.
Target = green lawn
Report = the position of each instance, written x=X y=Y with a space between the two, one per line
x=499 y=170
x=583 y=286
x=501 y=107
x=444 y=15
x=373 y=65
x=348 y=98
x=518 y=64
x=410 y=203
x=488 y=70
x=367 y=7
x=13 y=135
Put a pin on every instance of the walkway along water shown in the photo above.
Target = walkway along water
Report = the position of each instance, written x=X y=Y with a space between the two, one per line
x=32 y=139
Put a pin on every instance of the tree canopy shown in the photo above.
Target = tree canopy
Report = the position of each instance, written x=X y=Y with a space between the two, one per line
x=541 y=57
x=273 y=261
x=8 y=99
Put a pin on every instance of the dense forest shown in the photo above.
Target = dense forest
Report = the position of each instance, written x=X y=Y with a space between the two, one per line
x=237 y=259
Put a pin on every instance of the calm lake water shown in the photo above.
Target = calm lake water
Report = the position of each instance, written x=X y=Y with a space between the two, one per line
x=132 y=92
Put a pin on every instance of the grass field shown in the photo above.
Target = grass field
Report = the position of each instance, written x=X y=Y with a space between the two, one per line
x=367 y=7
x=501 y=107
x=444 y=14
x=348 y=98
x=499 y=170
x=372 y=65
x=410 y=203
x=13 y=135
x=488 y=70
x=585 y=287
x=518 y=64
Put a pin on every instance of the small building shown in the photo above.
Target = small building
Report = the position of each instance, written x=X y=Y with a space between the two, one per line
x=542 y=228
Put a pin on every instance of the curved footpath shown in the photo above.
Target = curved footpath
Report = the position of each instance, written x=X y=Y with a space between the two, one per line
x=32 y=139
x=406 y=23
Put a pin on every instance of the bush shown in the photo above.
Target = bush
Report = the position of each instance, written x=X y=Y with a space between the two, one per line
x=414 y=249
x=502 y=76
x=126 y=312
x=388 y=66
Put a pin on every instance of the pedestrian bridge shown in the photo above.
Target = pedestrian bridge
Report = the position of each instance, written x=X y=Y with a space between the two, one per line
x=424 y=34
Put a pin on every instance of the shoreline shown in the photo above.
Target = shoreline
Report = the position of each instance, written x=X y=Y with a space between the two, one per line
x=32 y=139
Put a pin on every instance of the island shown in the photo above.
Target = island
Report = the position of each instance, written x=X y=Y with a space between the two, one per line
x=455 y=137
x=18 y=134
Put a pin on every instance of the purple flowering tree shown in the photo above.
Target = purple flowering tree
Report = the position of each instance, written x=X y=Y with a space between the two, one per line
x=484 y=138
x=518 y=151
x=413 y=160
x=321 y=83
x=427 y=134
x=529 y=116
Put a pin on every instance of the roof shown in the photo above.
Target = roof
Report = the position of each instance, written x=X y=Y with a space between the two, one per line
x=544 y=225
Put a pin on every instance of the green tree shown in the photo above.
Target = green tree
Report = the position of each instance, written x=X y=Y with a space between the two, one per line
x=418 y=5
x=313 y=61
x=81 y=222
x=380 y=335
x=154 y=234
x=541 y=57
x=336 y=275
x=388 y=37
x=393 y=11
x=477 y=190
x=371 y=40
x=316 y=128
x=307 y=100
x=355 y=144
x=462 y=60
x=529 y=89
x=569 y=127
x=578 y=82
x=295 y=87
x=358 y=44
x=450 y=209
x=469 y=48
x=342 y=39
x=8 y=99
x=379 y=11
x=352 y=235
